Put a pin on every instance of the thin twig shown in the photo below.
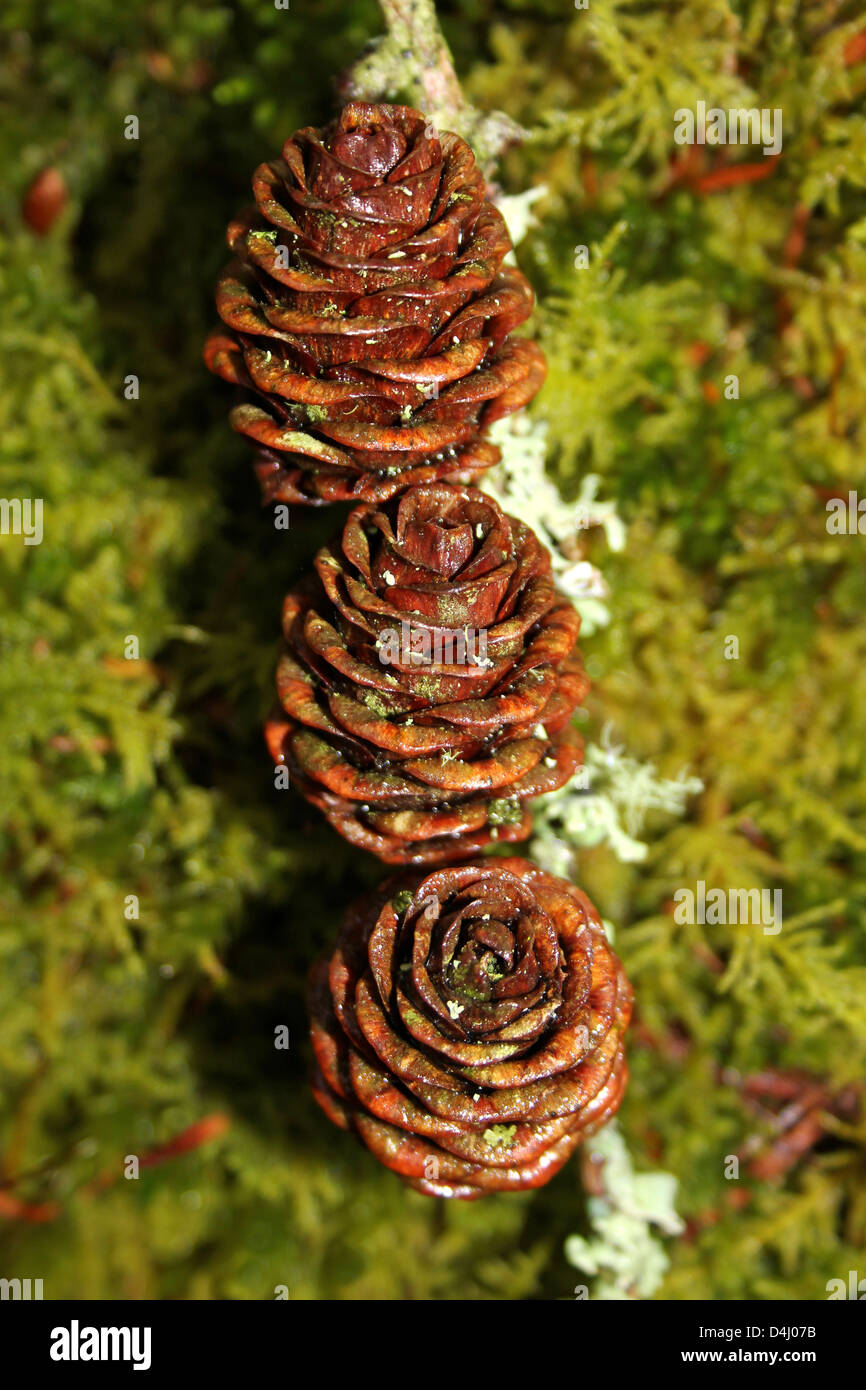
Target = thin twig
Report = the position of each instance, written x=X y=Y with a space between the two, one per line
x=412 y=63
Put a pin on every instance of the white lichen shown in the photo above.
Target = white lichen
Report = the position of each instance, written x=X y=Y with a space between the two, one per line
x=522 y=488
x=611 y=810
x=622 y=1251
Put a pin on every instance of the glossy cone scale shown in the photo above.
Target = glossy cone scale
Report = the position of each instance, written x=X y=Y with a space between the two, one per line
x=416 y=759
x=368 y=310
x=469 y=1028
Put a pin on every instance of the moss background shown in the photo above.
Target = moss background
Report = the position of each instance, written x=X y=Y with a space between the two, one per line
x=150 y=778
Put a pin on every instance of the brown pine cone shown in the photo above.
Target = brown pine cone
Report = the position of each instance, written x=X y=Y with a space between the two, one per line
x=368 y=312
x=469 y=1028
x=429 y=678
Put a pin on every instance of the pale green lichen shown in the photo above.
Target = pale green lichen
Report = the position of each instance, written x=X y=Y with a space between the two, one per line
x=499 y=1136
x=607 y=802
x=622 y=1251
x=504 y=811
x=375 y=703
x=522 y=488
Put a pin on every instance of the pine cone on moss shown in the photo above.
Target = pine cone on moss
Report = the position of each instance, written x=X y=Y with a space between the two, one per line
x=367 y=312
x=429 y=678
x=469 y=1028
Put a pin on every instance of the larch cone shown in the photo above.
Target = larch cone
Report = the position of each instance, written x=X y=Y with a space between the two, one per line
x=429 y=678
x=367 y=312
x=469 y=1027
